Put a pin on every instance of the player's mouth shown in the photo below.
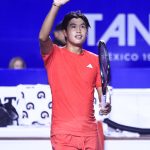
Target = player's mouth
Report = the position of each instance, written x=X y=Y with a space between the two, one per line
x=79 y=37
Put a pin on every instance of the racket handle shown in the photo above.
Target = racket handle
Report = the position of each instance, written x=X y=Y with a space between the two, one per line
x=103 y=101
x=102 y=104
x=109 y=94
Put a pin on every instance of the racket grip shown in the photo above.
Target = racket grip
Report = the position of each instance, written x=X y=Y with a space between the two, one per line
x=103 y=101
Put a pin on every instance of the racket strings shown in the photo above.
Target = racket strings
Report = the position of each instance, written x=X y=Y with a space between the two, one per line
x=104 y=66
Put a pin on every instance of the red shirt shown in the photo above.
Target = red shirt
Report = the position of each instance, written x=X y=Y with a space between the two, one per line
x=72 y=78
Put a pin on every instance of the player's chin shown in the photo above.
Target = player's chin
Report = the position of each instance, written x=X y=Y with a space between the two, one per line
x=80 y=41
x=79 y=44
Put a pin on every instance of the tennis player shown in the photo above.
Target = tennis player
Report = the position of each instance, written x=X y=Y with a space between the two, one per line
x=73 y=74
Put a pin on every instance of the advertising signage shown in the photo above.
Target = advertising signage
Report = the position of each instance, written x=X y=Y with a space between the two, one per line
x=123 y=24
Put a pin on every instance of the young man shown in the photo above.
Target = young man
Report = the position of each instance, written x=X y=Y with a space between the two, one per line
x=73 y=73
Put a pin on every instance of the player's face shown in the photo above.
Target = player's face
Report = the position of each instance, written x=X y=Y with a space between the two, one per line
x=76 y=31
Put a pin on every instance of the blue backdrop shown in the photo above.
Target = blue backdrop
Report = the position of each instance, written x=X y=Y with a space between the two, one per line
x=123 y=25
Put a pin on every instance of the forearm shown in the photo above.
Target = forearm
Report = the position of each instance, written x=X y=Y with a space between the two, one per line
x=48 y=23
x=99 y=91
x=46 y=44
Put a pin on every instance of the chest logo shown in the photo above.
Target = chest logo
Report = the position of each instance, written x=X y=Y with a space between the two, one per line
x=89 y=66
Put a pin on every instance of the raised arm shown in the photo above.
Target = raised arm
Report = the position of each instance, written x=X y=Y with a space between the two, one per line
x=45 y=41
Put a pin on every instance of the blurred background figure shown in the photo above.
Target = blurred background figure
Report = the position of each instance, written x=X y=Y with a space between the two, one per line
x=59 y=37
x=17 y=63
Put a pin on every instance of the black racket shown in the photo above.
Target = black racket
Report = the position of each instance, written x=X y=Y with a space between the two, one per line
x=104 y=65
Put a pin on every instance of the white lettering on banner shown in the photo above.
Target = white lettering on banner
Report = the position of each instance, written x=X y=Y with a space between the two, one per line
x=91 y=32
x=133 y=25
x=146 y=57
x=116 y=30
x=123 y=57
x=123 y=27
x=129 y=57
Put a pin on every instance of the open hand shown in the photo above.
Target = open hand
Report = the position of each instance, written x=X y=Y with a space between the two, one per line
x=60 y=2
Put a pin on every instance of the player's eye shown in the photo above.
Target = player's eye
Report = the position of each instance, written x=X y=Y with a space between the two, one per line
x=73 y=26
x=83 y=26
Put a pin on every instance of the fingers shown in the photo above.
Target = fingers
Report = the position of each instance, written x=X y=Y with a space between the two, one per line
x=60 y=2
x=106 y=109
x=108 y=105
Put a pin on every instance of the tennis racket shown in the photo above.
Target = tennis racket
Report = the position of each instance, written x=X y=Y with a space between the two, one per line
x=105 y=76
x=104 y=68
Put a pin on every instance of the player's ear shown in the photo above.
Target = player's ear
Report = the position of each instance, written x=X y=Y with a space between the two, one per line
x=65 y=33
x=86 y=33
x=56 y=34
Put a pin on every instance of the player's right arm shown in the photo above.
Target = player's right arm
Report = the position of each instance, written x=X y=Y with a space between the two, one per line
x=46 y=45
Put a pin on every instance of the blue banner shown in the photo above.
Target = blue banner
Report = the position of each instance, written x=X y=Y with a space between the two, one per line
x=123 y=25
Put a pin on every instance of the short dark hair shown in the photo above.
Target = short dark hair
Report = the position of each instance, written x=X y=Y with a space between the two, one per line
x=58 y=27
x=74 y=14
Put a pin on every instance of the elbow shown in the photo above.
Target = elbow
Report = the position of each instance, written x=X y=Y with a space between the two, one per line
x=43 y=38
